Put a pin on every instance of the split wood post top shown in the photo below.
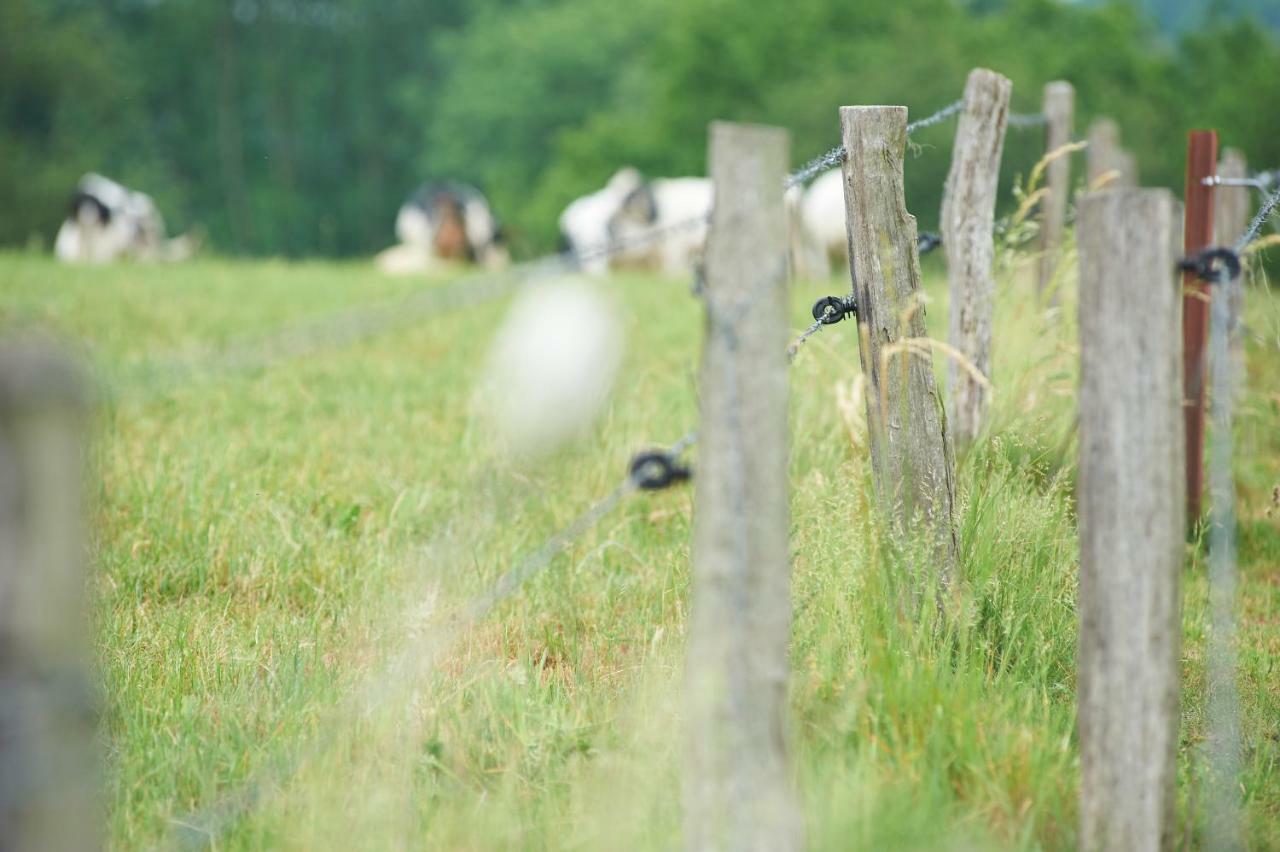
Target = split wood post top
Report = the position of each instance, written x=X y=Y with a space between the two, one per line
x=737 y=785
x=911 y=452
x=1107 y=160
x=968 y=221
x=1131 y=513
x=1059 y=122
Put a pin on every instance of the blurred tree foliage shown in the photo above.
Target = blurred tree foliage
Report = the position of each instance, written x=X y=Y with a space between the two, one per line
x=296 y=127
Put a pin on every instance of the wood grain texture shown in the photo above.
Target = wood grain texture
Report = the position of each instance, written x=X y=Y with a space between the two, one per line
x=48 y=777
x=1059 y=112
x=911 y=451
x=738 y=790
x=1106 y=158
x=968 y=221
x=1231 y=204
x=1232 y=208
x=1131 y=517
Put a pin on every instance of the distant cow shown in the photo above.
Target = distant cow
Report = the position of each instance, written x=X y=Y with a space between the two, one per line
x=109 y=222
x=664 y=223
x=445 y=222
x=822 y=223
x=584 y=224
x=659 y=224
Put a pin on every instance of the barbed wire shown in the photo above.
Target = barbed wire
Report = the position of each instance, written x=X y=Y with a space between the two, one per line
x=1023 y=120
x=811 y=169
x=648 y=471
x=349 y=326
x=836 y=155
x=937 y=118
x=1255 y=225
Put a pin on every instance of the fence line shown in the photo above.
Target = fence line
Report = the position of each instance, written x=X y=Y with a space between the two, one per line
x=913 y=460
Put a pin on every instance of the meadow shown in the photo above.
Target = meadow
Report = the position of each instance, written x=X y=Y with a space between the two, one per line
x=279 y=551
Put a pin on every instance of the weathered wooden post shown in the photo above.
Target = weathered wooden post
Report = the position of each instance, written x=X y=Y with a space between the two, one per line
x=1107 y=158
x=1130 y=447
x=1202 y=163
x=1223 y=740
x=738 y=792
x=911 y=455
x=1231 y=211
x=968 y=221
x=48 y=772
x=1059 y=120
x=1231 y=205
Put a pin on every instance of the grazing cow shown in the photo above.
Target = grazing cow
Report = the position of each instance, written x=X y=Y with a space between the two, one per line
x=109 y=222
x=663 y=224
x=445 y=222
x=585 y=223
x=822 y=222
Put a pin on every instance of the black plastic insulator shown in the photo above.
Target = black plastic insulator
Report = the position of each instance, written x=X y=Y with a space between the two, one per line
x=829 y=310
x=927 y=242
x=1213 y=264
x=654 y=470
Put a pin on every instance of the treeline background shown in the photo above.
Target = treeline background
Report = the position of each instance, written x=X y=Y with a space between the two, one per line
x=297 y=127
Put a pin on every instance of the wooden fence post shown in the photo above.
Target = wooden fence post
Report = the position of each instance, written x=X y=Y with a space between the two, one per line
x=968 y=220
x=1059 y=120
x=1231 y=203
x=48 y=773
x=1106 y=156
x=911 y=453
x=1231 y=210
x=1202 y=164
x=738 y=778
x=1130 y=444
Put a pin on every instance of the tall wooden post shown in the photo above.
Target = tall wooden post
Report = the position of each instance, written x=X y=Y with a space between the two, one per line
x=737 y=780
x=48 y=777
x=968 y=220
x=1130 y=443
x=1106 y=156
x=1223 y=740
x=1231 y=204
x=1232 y=207
x=1059 y=121
x=911 y=454
x=1202 y=163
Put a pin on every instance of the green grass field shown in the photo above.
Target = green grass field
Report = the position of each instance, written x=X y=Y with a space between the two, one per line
x=276 y=550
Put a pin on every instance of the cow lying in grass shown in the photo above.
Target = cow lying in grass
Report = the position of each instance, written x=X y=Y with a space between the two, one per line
x=445 y=223
x=109 y=222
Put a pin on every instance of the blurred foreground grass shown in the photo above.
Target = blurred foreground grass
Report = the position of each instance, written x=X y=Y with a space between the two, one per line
x=276 y=549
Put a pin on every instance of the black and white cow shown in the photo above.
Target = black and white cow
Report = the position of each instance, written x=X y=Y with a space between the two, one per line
x=109 y=222
x=632 y=222
x=445 y=222
x=667 y=220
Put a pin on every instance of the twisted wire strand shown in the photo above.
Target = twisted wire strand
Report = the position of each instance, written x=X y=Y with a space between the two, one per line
x=1264 y=213
x=204 y=825
x=836 y=155
x=1023 y=120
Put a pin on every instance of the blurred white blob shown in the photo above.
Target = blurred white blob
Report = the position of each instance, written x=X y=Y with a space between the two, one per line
x=552 y=365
